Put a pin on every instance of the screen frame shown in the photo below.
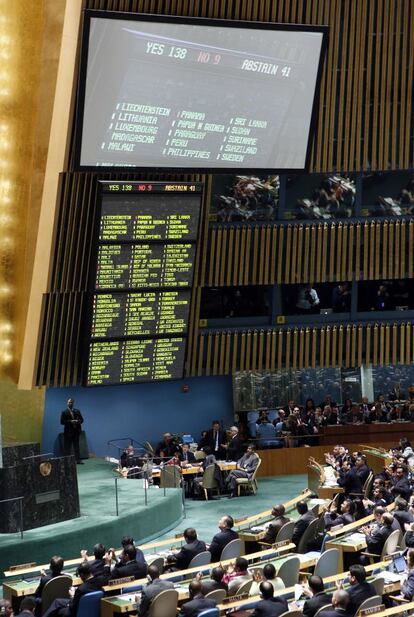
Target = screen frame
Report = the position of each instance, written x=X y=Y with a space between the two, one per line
x=89 y=14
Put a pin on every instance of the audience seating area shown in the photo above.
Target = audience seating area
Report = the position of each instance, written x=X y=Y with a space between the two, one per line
x=303 y=548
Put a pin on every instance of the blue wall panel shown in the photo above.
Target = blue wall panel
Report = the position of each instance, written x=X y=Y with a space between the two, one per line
x=142 y=411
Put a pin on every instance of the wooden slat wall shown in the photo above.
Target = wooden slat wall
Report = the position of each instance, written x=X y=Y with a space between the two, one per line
x=328 y=346
x=311 y=253
x=64 y=307
x=364 y=120
x=365 y=106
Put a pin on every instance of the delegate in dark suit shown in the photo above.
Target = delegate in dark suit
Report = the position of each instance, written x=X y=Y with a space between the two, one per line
x=301 y=525
x=72 y=421
x=363 y=472
x=43 y=580
x=132 y=564
x=358 y=594
x=151 y=591
x=188 y=457
x=312 y=605
x=403 y=517
x=401 y=488
x=377 y=539
x=212 y=585
x=234 y=449
x=188 y=551
x=196 y=606
x=274 y=528
x=215 y=438
x=221 y=540
x=273 y=607
x=349 y=480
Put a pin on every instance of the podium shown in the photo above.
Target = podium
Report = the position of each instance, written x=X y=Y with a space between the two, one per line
x=48 y=487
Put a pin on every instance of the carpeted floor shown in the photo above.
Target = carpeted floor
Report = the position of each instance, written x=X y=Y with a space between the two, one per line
x=161 y=518
x=204 y=516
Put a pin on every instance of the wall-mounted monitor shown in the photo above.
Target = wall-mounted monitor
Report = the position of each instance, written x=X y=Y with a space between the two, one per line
x=195 y=94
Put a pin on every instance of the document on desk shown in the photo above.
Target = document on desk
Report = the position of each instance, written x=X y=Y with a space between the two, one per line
x=356 y=537
x=258 y=528
x=389 y=577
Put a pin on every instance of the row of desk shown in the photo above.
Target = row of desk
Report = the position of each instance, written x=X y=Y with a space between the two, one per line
x=344 y=539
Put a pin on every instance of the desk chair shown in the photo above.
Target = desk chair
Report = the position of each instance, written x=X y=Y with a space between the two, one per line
x=327 y=607
x=284 y=533
x=209 y=482
x=249 y=483
x=289 y=571
x=378 y=585
x=57 y=587
x=328 y=563
x=157 y=561
x=243 y=588
x=90 y=604
x=292 y=614
x=231 y=550
x=218 y=595
x=165 y=604
x=201 y=559
x=370 y=603
x=170 y=476
x=308 y=535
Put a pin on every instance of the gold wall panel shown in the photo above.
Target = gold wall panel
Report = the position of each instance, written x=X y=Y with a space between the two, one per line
x=311 y=252
x=327 y=346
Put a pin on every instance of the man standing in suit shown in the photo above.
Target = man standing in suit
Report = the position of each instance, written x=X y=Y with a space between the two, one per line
x=246 y=466
x=221 y=539
x=192 y=547
x=72 y=421
x=152 y=590
x=216 y=440
x=197 y=603
x=362 y=468
x=234 y=447
x=303 y=521
x=269 y=606
x=318 y=597
x=401 y=486
x=349 y=479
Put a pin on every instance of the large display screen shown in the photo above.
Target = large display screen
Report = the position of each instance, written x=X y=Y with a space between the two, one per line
x=120 y=362
x=126 y=266
x=141 y=281
x=116 y=315
x=149 y=217
x=196 y=94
